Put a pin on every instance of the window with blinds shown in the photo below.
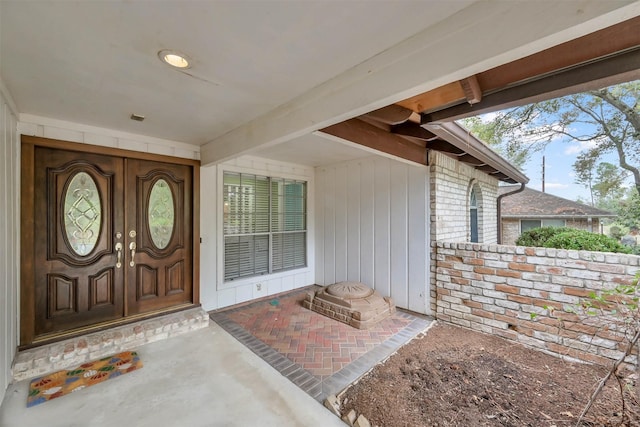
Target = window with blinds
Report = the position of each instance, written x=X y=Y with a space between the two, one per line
x=265 y=225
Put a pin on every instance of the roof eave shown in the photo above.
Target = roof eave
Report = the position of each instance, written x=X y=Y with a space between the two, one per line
x=458 y=136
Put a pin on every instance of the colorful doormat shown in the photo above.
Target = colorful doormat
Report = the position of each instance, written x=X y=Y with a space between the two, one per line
x=60 y=383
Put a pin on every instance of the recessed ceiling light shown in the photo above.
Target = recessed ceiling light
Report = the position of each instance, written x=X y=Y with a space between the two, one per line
x=174 y=58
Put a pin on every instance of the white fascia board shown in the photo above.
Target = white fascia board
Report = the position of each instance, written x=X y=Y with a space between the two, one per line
x=480 y=37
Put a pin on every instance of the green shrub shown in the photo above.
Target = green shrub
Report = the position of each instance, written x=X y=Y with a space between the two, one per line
x=583 y=240
x=536 y=237
x=570 y=238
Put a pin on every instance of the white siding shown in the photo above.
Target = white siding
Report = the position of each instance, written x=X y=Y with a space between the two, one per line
x=9 y=247
x=76 y=132
x=418 y=249
x=372 y=227
x=214 y=292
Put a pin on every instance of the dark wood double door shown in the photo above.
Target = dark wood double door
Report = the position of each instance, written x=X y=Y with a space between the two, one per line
x=112 y=239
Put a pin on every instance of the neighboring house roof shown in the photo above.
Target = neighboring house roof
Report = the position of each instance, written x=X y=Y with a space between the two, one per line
x=531 y=203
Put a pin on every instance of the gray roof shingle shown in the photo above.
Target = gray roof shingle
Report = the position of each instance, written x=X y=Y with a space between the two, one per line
x=536 y=204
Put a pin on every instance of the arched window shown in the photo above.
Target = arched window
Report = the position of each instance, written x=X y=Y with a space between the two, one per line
x=473 y=215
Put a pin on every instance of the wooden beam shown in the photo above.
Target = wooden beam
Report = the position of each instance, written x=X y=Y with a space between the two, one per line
x=413 y=130
x=470 y=160
x=444 y=95
x=415 y=117
x=366 y=134
x=445 y=147
x=599 y=44
x=616 y=38
x=620 y=68
x=505 y=178
x=487 y=169
x=391 y=114
x=472 y=89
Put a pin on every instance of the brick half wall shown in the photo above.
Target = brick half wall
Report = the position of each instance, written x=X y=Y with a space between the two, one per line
x=496 y=288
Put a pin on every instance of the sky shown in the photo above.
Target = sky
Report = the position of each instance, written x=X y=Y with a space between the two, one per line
x=559 y=175
x=560 y=155
x=560 y=179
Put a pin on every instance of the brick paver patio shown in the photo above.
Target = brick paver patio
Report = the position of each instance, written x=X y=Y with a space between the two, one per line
x=319 y=354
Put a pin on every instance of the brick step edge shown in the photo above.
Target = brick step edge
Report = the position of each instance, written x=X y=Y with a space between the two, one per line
x=76 y=351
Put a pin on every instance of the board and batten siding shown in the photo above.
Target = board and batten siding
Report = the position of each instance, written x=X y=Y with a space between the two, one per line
x=372 y=227
x=9 y=247
x=214 y=292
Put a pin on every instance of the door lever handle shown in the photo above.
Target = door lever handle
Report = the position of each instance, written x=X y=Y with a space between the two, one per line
x=119 y=255
x=132 y=248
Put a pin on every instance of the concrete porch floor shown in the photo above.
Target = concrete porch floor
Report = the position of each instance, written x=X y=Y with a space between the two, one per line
x=202 y=378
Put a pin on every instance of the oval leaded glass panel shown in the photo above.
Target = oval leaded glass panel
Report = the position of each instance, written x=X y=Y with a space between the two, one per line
x=161 y=214
x=82 y=211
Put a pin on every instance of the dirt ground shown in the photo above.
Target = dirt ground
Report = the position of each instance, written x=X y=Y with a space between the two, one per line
x=456 y=377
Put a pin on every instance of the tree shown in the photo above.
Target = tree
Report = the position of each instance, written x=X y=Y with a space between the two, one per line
x=584 y=169
x=628 y=211
x=618 y=117
x=495 y=132
x=609 y=183
x=605 y=181
x=603 y=121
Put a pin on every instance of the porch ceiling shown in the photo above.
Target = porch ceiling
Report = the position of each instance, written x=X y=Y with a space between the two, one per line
x=411 y=127
x=314 y=149
x=96 y=63
x=265 y=73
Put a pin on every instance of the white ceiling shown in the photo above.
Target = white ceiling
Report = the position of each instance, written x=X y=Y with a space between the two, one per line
x=314 y=149
x=265 y=74
x=96 y=62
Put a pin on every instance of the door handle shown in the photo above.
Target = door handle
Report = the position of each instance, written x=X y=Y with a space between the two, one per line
x=119 y=255
x=132 y=248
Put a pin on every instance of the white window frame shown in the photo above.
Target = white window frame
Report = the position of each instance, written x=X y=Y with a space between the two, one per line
x=310 y=253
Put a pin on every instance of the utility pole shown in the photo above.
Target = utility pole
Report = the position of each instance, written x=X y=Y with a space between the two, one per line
x=543 y=174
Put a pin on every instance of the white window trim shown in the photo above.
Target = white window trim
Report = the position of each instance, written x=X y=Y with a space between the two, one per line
x=474 y=183
x=221 y=284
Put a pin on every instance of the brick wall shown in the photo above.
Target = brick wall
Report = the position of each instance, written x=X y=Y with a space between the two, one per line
x=495 y=288
x=450 y=183
x=450 y=187
x=510 y=231
x=583 y=224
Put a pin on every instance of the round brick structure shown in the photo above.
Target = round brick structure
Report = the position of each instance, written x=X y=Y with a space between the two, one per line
x=353 y=303
x=349 y=290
